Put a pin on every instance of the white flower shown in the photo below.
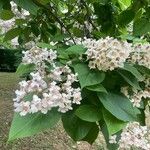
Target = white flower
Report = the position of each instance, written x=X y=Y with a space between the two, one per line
x=112 y=139
x=141 y=55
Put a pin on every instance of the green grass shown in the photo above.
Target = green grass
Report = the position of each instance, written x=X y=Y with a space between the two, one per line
x=54 y=139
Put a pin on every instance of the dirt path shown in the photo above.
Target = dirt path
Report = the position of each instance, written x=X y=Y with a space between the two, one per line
x=54 y=139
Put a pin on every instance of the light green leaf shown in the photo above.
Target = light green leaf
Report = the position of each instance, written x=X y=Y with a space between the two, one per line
x=45 y=45
x=25 y=69
x=119 y=106
x=32 y=124
x=113 y=124
x=6 y=14
x=88 y=77
x=89 y=113
x=75 y=50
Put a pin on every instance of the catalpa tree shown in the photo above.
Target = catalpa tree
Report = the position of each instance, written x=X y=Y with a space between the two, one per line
x=87 y=63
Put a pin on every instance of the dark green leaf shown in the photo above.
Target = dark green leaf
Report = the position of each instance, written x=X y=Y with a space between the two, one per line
x=27 y=5
x=97 y=88
x=92 y=135
x=88 y=77
x=143 y=70
x=119 y=106
x=126 y=17
x=89 y=113
x=75 y=127
x=32 y=124
x=134 y=71
x=130 y=79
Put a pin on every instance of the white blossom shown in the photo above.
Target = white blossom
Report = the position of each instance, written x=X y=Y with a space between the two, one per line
x=134 y=136
x=106 y=54
x=57 y=91
x=141 y=55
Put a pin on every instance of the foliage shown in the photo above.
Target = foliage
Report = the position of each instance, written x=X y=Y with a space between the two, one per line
x=60 y=25
x=9 y=59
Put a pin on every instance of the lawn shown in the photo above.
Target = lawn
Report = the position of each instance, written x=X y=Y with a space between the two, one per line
x=54 y=139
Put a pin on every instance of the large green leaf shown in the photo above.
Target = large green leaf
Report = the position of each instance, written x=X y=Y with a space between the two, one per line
x=119 y=106
x=27 y=5
x=143 y=70
x=32 y=124
x=25 y=69
x=126 y=17
x=6 y=14
x=141 y=27
x=113 y=124
x=134 y=71
x=130 y=79
x=75 y=50
x=92 y=135
x=88 y=77
x=12 y=33
x=75 y=127
x=89 y=113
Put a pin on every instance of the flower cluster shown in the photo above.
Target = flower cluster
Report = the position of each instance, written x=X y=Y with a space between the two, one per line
x=133 y=136
x=106 y=54
x=49 y=90
x=141 y=55
x=38 y=57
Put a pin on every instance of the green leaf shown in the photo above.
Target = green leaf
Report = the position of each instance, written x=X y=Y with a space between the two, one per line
x=6 y=14
x=130 y=79
x=105 y=132
x=126 y=17
x=45 y=45
x=92 y=135
x=32 y=124
x=75 y=50
x=143 y=70
x=44 y=2
x=20 y=21
x=89 y=113
x=88 y=77
x=12 y=33
x=124 y=4
x=27 y=5
x=141 y=27
x=119 y=106
x=134 y=71
x=75 y=127
x=97 y=88
x=113 y=124
x=25 y=69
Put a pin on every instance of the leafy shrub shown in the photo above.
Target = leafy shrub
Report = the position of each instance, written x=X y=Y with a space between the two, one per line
x=9 y=59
